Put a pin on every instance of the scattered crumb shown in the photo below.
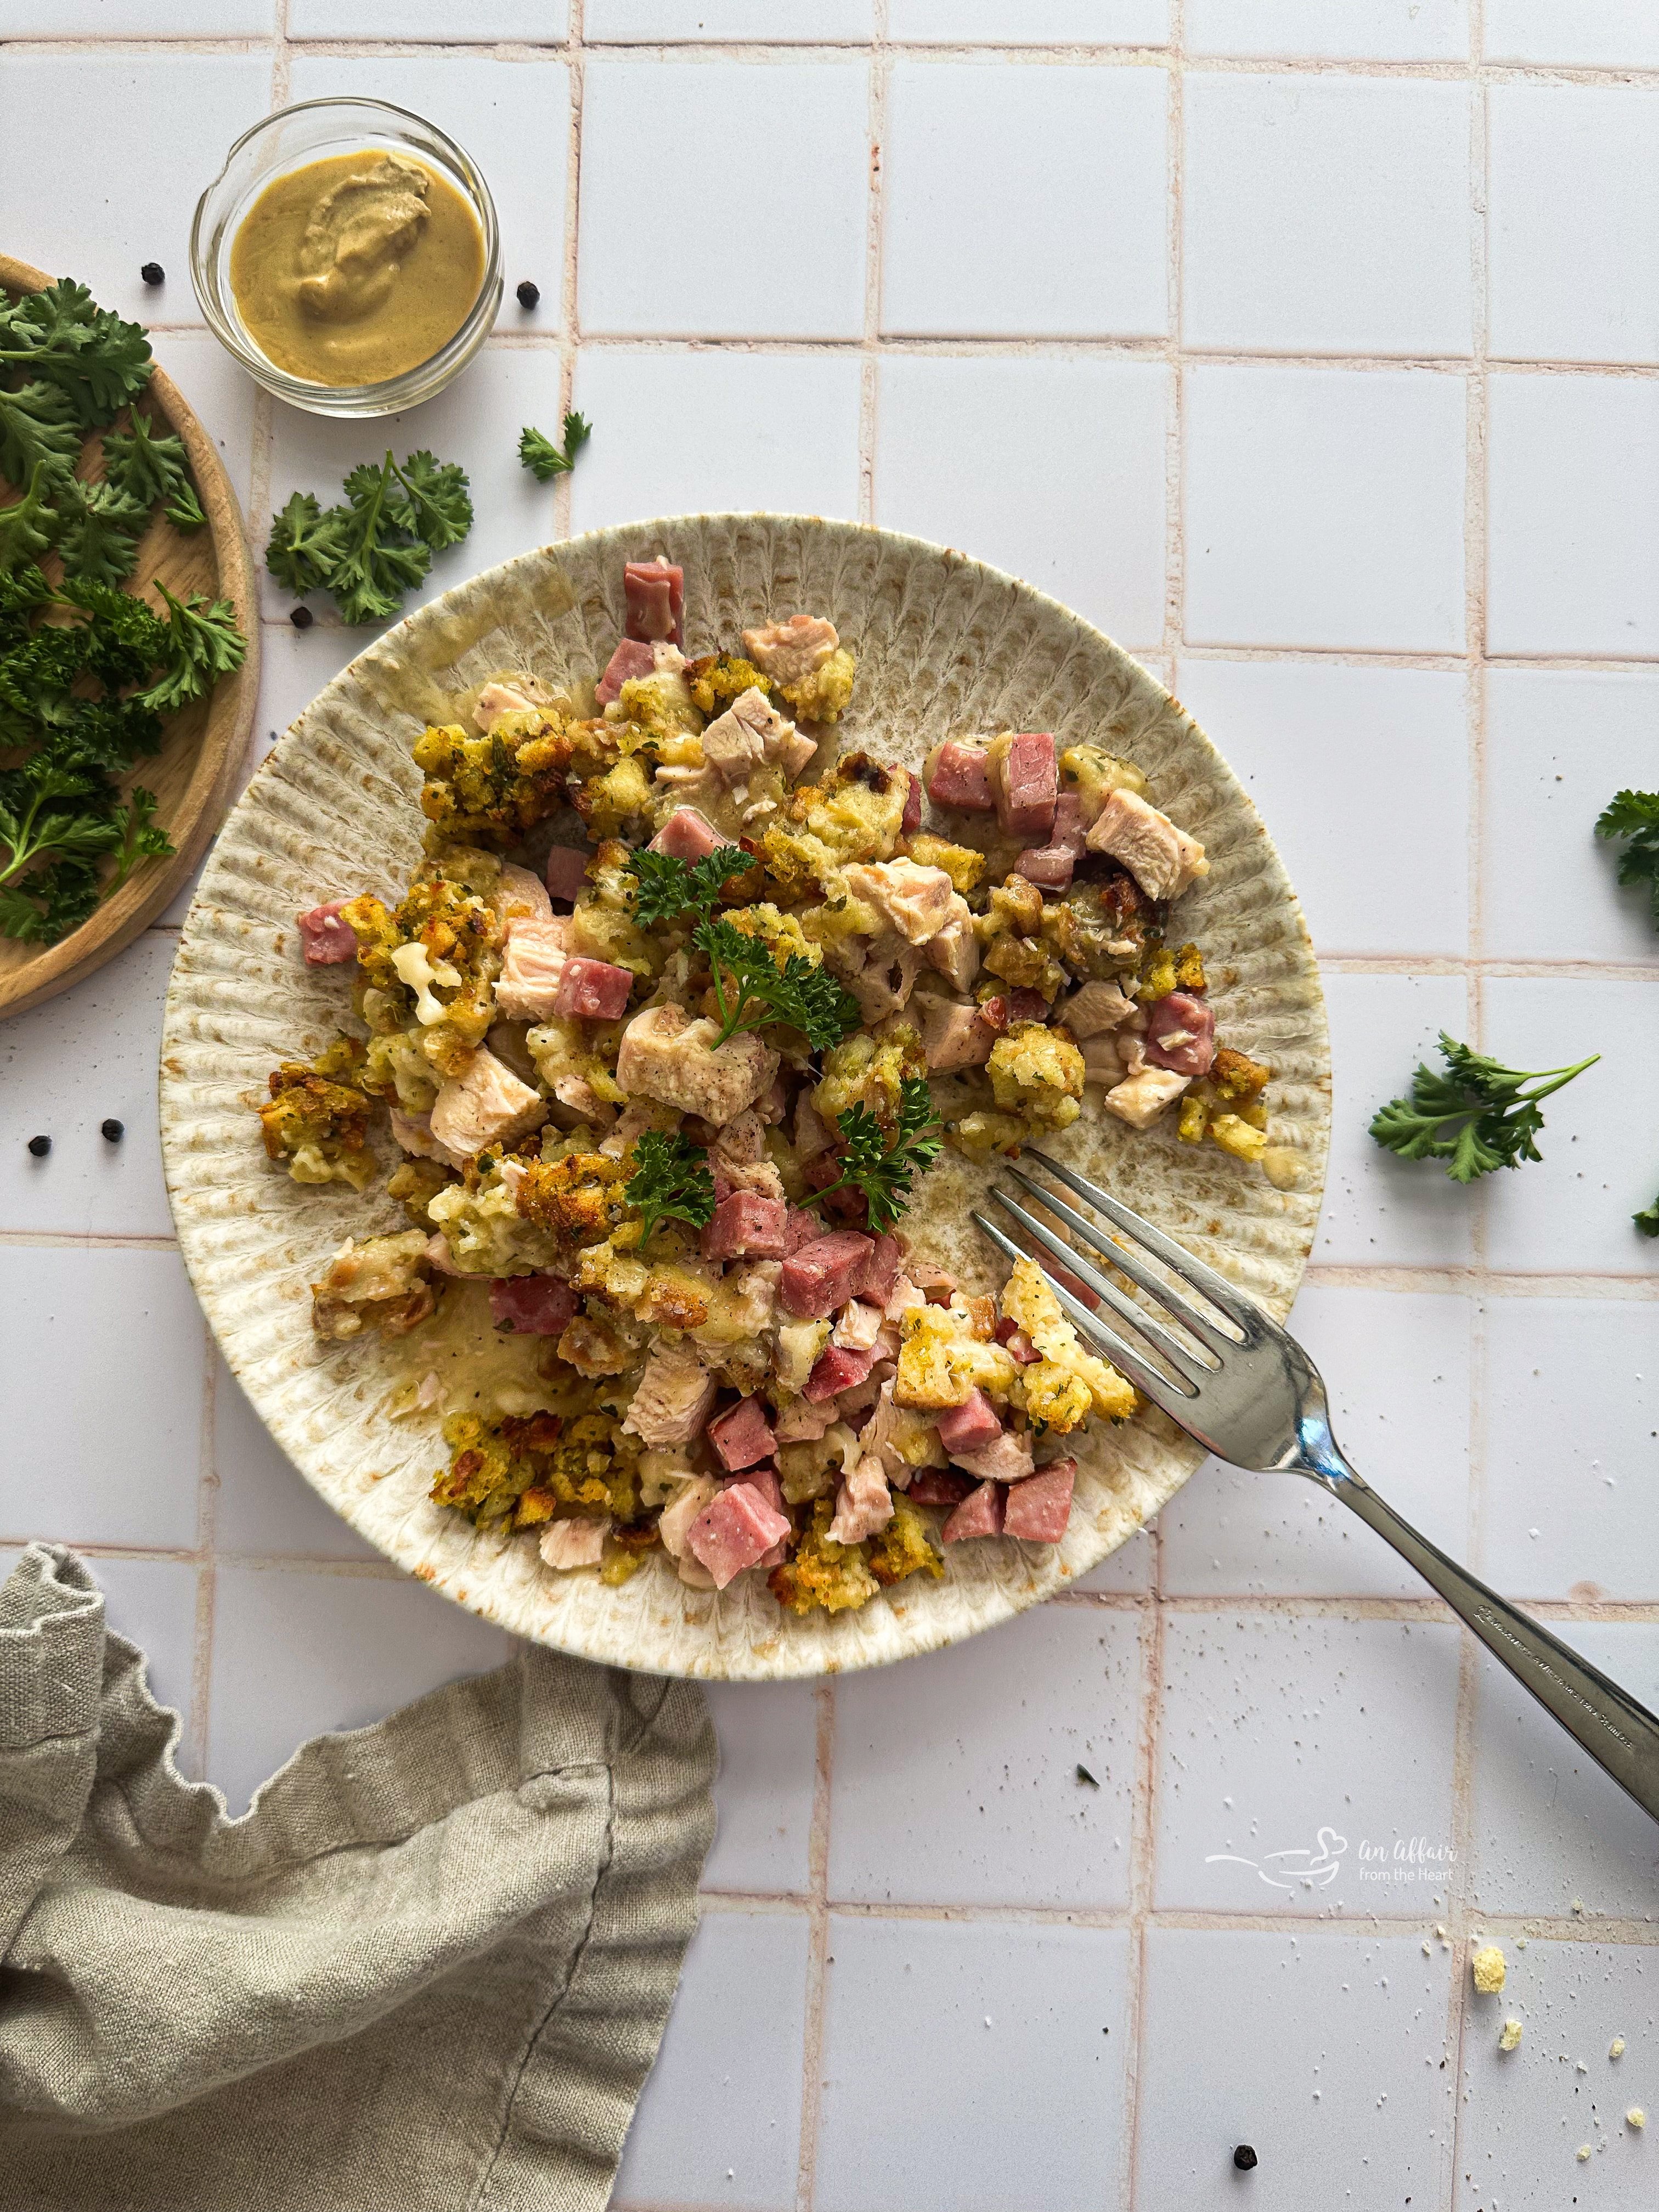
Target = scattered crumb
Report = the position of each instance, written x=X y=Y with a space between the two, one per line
x=1489 y=1968
x=1635 y=2117
x=1520 y=1942
x=1616 y=2048
x=1510 y=2038
x=1440 y=1929
x=1581 y=2153
x=1578 y=1905
x=1582 y=2068
x=1428 y=1952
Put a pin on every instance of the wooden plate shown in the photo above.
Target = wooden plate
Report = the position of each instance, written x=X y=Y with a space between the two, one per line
x=193 y=775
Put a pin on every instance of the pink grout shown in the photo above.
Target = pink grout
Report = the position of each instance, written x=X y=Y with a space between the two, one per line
x=570 y=292
x=818 y=1859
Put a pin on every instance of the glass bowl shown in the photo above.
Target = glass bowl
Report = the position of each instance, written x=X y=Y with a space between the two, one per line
x=309 y=132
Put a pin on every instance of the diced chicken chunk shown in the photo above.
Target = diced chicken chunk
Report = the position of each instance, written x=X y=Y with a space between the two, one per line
x=655 y=592
x=329 y=942
x=954 y=950
x=672 y=1401
x=533 y=968
x=686 y=835
x=496 y=700
x=1140 y=1099
x=1006 y=1458
x=487 y=1105
x=864 y=1503
x=521 y=895
x=1038 y=1508
x=696 y=1494
x=790 y=652
x=914 y=901
x=952 y=1034
x=667 y=1056
x=751 y=734
x=957 y=774
x=880 y=972
x=633 y=659
x=577 y=1542
x=1095 y=1010
x=1162 y=859
x=593 y=990
x=858 y=1326
x=1181 y=1034
x=413 y=1132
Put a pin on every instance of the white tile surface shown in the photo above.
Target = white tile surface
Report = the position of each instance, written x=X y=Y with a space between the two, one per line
x=965 y=1790
x=127 y=19
x=1030 y=22
x=106 y=1449
x=101 y=223
x=1325 y=506
x=1085 y=441
x=297 y=664
x=1571 y=1504
x=689 y=433
x=1573 y=468
x=777 y=22
x=1290 y=1746
x=1380 y=1211
x=1549 y=1827
x=1317 y=745
x=1574 y=218
x=1606 y=33
x=768 y=1743
x=83 y=1058
x=719 y=2122
x=1530 y=2110
x=1344 y=2087
x=264 y=1504
x=673 y=268
x=1571 y=1209
x=1126 y=1572
x=1326 y=214
x=298 y=1652
x=1397 y=1369
x=962 y=2023
x=1355 y=30
x=1024 y=200
x=531 y=20
x=1560 y=744
x=513 y=118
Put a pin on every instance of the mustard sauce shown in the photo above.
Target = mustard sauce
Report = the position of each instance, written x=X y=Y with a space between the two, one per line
x=356 y=268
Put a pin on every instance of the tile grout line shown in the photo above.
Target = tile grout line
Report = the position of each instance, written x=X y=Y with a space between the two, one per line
x=818 y=1911
x=569 y=336
x=875 y=214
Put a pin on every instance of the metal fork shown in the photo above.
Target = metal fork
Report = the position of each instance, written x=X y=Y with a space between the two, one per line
x=1255 y=1398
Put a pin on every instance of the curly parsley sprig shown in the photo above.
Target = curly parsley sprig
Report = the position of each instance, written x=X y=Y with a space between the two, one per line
x=1634 y=817
x=1476 y=1116
x=666 y=889
x=752 y=991
x=670 y=1181
x=545 y=461
x=884 y=1172
x=376 y=545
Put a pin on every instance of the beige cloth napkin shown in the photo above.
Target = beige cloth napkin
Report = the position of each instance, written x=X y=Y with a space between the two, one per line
x=429 y=1968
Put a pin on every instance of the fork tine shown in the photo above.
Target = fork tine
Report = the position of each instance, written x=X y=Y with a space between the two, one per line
x=1157 y=1387
x=1225 y=1297
x=1178 y=1355
x=1135 y=1269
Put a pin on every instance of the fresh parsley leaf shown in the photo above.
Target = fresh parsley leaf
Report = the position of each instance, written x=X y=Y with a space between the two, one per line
x=143 y=838
x=203 y=643
x=27 y=528
x=884 y=1172
x=100 y=533
x=670 y=1181
x=1634 y=815
x=379 y=544
x=545 y=461
x=666 y=888
x=431 y=500
x=1648 y=1219
x=303 y=544
x=185 y=510
x=38 y=428
x=1476 y=1115
x=751 y=990
x=95 y=358
x=150 y=467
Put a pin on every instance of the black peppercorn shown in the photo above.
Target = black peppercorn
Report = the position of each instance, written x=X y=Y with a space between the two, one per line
x=302 y=617
x=1245 y=2158
x=153 y=273
x=113 y=1131
x=529 y=293
x=40 y=1146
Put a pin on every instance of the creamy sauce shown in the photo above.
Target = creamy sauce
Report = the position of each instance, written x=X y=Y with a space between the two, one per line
x=356 y=268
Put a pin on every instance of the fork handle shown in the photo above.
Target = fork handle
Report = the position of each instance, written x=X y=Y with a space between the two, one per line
x=1620 y=1734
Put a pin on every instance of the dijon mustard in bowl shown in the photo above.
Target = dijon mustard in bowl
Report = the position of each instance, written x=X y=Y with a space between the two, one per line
x=348 y=255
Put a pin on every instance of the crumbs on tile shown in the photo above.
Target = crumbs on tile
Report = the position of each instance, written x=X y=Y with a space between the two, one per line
x=1616 y=2048
x=1635 y=2117
x=1509 y=2036
x=1488 y=1968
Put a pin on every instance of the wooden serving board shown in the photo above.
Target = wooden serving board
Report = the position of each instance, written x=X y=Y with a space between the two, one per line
x=194 y=775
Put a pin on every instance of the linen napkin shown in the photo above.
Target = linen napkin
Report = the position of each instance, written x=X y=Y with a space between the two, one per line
x=429 y=1967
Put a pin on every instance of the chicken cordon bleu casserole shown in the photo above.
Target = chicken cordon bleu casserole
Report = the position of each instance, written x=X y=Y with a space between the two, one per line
x=668 y=1103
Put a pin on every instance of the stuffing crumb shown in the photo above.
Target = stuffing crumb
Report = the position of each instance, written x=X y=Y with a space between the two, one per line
x=1510 y=2038
x=1581 y=2153
x=1489 y=1968
x=1635 y=2117
x=1616 y=2048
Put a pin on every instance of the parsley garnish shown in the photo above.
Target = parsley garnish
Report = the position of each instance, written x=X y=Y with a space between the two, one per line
x=751 y=990
x=1648 y=1219
x=1477 y=1116
x=665 y=887
x=368 y=551
x=65 y=342
x=881 y=1171
x=670 y=1182
x=1635 y=814
x=149 y=468
x=202 y=644
x=545 y=461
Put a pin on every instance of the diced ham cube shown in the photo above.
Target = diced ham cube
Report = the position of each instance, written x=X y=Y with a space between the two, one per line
x=593 y=990
x=822 y=1275
x=937 y=1486
x=881 y=1272
x=980 y=1514
x=1027 y=1006
x=764 y=1481
x=532 y=1305
x=1005 y=1458
x=911 y=820
x=1039 y=1508
x=633 y=659
x=744 y=1437
x=1015 y=1342
x=747 y=1225
x=328 y=941
x=567 y=871
x=1027 y=786
x=968 y=1426
x=802 y=1226
x=1048 y=866
x=735 y=1531
x=1071 y=831
x=956 y=775
x=837 y=1369
x=1181 y=1034
x=655 y=592
x=686 y=835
